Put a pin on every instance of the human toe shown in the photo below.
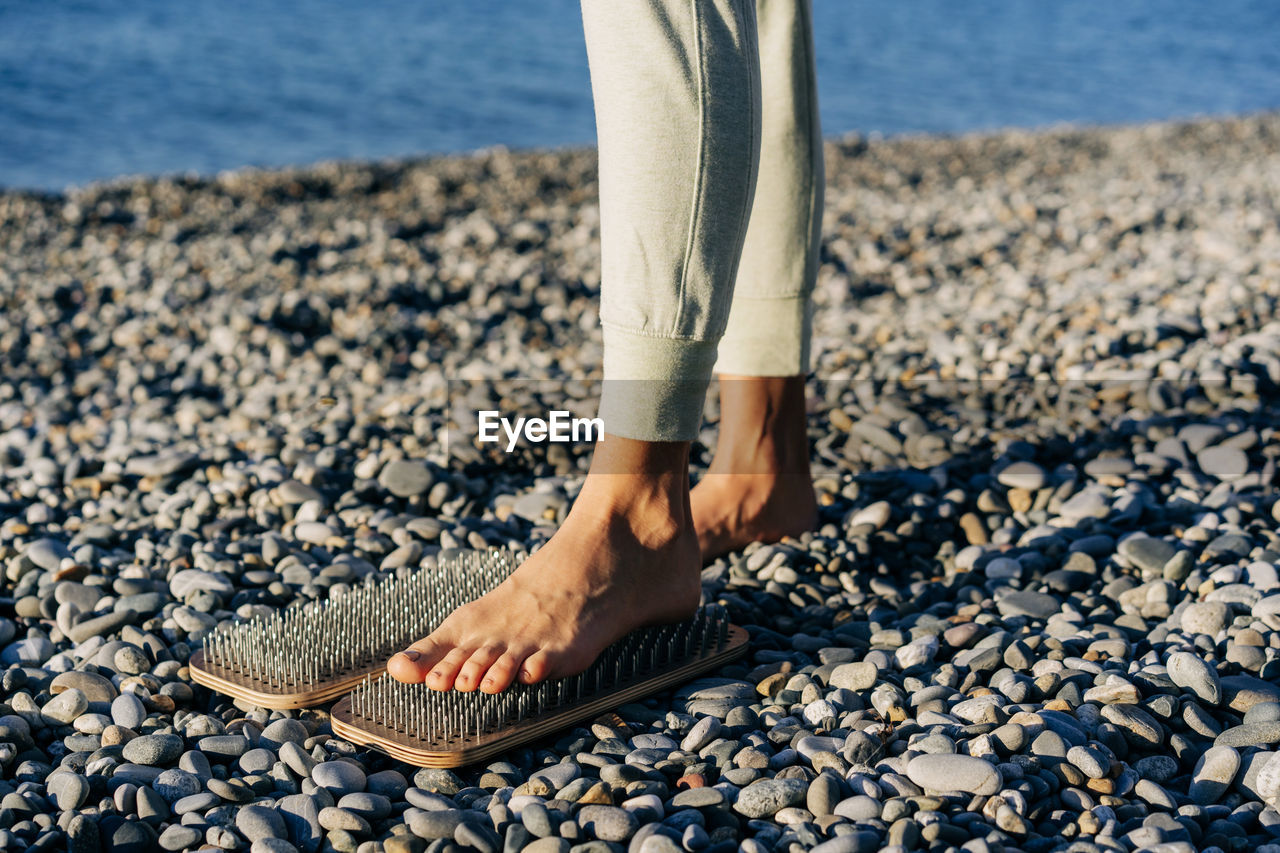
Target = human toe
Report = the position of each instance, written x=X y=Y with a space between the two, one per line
x=473 y=670
x=414 y=663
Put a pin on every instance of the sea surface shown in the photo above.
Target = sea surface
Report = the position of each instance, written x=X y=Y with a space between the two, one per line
x=91 y=89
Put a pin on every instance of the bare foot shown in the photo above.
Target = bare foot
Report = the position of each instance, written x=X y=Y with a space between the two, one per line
x=758 y=488
x=626 y=556
x=730 y=511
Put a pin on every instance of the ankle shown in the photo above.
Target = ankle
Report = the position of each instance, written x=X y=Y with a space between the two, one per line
x=651 y=508
x=763 y=427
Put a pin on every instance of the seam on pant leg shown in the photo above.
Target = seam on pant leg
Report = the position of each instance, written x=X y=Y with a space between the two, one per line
x=816 y=185
x=699 y=168
x=754 y=139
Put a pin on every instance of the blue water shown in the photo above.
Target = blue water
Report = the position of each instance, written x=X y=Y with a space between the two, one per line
x=91 y=89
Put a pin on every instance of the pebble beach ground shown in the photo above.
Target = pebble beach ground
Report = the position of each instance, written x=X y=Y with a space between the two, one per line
x=1042 y=610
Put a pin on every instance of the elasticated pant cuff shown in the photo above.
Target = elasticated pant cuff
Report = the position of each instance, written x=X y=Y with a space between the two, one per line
x=654 y=388
x=766 y=337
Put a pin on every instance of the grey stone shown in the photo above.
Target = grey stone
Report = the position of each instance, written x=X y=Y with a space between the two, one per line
x=768 y=796
x=608 y=823
x=1191 y=672
x=1037 y=605
x=368 y=806
x=282 y=731
x=943 y=772
x=702 y=733
x=438 y=780
x=33 y=651
x=94 y=687
x=859 y=808
x=1147 y=553
x=1205 y=617
x=225 y=747
x=1249 y=734
x=155 y=749
x=1091 y=762
x=1023 y=475
x=65 y=707
x=335 y=817
x=189 y=581
x=174 y=785
x=1137 y=726
x=387 y=783
x=406 y=478
x=823 y=795
x=47 y=553
x=98 y=626
x=435 y=824
x=339 y=777
x=273 y=845
x=1213 y=774
x=1242 y=692
x=301 y=814
x=178 y=837
x=697 y=798
x=855 y=676
x=1223 y=462
x=297 y=759
x=69 y=790
x=200 y=802
x=547 y=845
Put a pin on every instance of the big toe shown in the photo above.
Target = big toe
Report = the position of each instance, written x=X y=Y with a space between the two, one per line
x=413 y=665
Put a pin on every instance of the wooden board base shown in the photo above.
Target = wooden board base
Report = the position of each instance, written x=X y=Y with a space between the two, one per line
x=267 y=696
x=456 y=752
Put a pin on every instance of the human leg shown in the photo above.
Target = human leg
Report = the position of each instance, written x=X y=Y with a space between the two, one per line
x=677 y=110
x=758 y=486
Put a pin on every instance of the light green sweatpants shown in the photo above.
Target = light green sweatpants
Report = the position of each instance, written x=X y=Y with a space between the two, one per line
x=711 y=183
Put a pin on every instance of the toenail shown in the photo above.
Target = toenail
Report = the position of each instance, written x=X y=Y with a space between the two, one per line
x=412 y=654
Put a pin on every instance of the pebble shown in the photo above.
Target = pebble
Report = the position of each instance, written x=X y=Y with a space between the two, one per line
x=855 y=676
x=1208 y=617
x=339 y=777
x=1037 y=605
x=178 y=837
x=607 y=823
x=297 y=759
x=174 y=784
x=282 y=731
x=943 y=772
x=156 y=750
x=1249 y=734
x=69 y=790
x=47 y=553
x=1192 y=673
x=65 y=707
x=224 y=747
x=405 y=478
x=1023 y=475
x=94 y=687
x=1214 y=772
x=1225 y=463
x=301 y=815
x=1147 y=552
x=332 y=817
x=767 y=796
